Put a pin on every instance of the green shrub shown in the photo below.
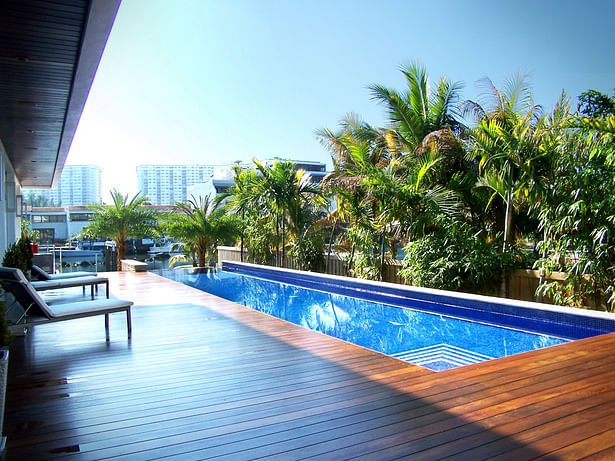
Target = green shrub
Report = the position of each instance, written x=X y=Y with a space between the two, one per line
x=308 y=252
x=19 y=255
x=455 y=257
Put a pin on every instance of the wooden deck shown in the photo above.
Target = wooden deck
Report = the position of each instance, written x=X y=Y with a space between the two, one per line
x=205 y=378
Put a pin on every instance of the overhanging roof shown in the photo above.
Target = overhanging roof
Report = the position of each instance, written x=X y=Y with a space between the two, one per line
x=49 y=53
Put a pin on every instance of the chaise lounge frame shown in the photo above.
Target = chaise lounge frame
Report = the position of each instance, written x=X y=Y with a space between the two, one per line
x=37 y=311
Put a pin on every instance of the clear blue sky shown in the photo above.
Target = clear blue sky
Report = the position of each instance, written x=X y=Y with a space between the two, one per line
x=213 y=81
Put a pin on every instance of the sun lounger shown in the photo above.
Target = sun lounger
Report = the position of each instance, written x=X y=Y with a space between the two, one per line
x=40 y=274
x=37 y=311
x=72 y=282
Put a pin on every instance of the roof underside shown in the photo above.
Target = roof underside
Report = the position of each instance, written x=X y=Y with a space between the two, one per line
x=49 y=53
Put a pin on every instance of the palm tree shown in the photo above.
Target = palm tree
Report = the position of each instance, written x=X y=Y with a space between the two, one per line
x=282 y=190
x=422 y=115
x=241 y=200
x=123 y=220
x=201 y=225
x=507 y=141
x=380 y=189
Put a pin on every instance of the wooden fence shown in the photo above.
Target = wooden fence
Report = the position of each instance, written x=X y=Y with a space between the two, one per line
x=522 y=283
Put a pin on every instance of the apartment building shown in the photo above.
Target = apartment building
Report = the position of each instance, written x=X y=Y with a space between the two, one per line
x=79 y=185
x=167 y=184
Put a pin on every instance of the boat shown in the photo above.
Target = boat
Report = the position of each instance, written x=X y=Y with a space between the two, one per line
x=164 y=250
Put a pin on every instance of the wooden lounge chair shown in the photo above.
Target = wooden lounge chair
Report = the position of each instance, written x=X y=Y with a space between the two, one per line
x=37 y=311
x=41 y=275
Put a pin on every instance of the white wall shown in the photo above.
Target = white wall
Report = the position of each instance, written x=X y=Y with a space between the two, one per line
x=9 y=189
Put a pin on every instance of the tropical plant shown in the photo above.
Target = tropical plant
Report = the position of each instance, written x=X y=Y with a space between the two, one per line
x=385 y=195
x=122 y=220
x=426 y=120
x=422 y=110
x=577 y=214
x=594 y=104
x=458 y=257
x=19 y=255
x=201 y=225
x=507 y=141
x=242 y=201
x=283 y=192
x=357 y=151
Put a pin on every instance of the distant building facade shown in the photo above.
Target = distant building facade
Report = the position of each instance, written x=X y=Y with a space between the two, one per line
x=167 y=184
x=58 y=224
x=79 y=185
x=222 y=178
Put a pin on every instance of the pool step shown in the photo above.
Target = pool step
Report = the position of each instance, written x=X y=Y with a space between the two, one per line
x=441 y=357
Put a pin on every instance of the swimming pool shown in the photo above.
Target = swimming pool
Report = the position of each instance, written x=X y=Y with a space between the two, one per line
x=425 y=327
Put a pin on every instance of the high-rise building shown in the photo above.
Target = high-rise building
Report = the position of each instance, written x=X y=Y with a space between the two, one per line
x=79 y=185
x=167 y=184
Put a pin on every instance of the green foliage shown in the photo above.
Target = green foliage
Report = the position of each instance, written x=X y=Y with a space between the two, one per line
x=365 y=260
x=261 y=240
x=201 y=225
x=126 y=218
x=308 y=252
x=594 y=104
x=19 y=255
x=421 y=109
x=507 y=142
x=279 y=209
x=457 y=257
x=577 y=217
x=384 y=192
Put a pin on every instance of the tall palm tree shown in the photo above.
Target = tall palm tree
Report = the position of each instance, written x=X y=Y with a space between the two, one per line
x=379 y=188
x=201 y=225
x=422 y=110
x=282 y=189
x=507 y=142
x=122 y=220
x=240 y=198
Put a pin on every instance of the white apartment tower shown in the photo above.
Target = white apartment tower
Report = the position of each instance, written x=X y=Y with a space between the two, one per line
x=167 y=184
x=78 y=185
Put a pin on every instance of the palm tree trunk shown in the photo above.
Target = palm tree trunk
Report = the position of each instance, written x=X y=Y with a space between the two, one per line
x=121 y=252
x=381 y=257
x=330 y=245
x=242 y=232
x=507 y=220
x=350 y=261
x=277 y=240
x=507 y=223
x=201 y=258
x=283 y=241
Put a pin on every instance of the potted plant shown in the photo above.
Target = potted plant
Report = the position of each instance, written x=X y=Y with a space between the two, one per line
x=19 y=255
x=32 y=234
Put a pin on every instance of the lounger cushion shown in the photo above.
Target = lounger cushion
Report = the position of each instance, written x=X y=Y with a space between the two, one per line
x=68 y=283
x=40 y=274
x=87 y=307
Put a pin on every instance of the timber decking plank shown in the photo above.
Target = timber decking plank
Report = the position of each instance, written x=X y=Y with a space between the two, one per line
x=584 y=448
x=494 y=418
x=312 y=439
x=203 y=377
x=280 y=397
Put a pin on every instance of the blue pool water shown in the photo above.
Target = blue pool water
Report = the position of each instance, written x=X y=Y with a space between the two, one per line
x=428 y=339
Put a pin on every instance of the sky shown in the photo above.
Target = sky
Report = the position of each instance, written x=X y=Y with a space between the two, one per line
x=215 y=81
